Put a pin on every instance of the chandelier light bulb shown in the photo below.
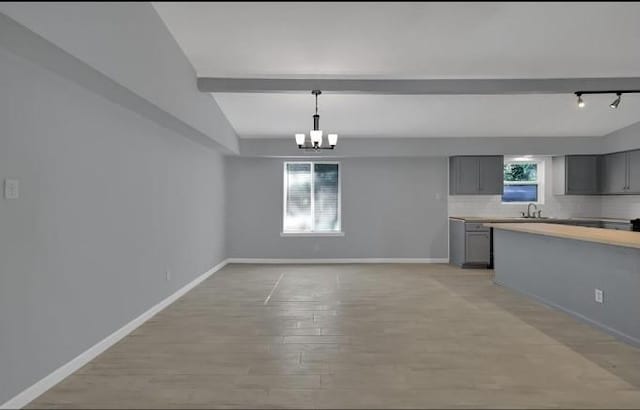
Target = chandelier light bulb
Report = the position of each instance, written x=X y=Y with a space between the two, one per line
x=580 y=101
x=316 y=137
x=333 y=139
x=300 y=139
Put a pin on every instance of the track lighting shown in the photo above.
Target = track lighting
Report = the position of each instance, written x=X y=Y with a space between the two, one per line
x=616 y=102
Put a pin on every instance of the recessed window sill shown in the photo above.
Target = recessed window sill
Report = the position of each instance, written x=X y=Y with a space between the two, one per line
x=309 y=234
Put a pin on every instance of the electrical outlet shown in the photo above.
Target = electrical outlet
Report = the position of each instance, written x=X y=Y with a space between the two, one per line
x=599 y=296
x=167 y=275
x=11 y=189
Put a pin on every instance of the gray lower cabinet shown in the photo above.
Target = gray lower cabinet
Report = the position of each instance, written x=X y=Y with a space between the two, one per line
x=618 y=226
x=476 y=175
x=477 y=248
x=469 y=244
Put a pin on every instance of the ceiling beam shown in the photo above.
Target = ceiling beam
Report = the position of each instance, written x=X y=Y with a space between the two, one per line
x=416 y=87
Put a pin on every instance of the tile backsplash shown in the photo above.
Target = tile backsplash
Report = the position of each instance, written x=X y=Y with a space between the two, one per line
x=621 y=206
x=554 y=206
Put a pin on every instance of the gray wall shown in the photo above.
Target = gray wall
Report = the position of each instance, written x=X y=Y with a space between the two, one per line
x=389 y=210
x=108 y=201
x=623 y=139
x=128 y=43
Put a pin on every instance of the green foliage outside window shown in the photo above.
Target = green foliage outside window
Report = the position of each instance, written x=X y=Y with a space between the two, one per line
x=521 y=172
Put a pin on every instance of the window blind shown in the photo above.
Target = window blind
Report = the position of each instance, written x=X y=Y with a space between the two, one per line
x=298 y=204
x=312 y=202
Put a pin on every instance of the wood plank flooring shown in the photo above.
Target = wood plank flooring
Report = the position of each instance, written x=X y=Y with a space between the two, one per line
x=356 y=336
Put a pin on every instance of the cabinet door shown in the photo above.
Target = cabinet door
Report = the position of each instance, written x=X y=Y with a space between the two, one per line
x=466 y=175
x=614 y=173
x=491 y=175
x=582 y=174
x=633 y=159
x=478 y=247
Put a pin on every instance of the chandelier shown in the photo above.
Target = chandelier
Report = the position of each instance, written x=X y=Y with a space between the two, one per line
x=315 y=134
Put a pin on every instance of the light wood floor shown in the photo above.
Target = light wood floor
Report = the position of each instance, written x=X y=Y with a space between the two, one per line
x=356 y=336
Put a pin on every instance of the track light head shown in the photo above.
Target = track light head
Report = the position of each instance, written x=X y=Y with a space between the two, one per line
x=616 y=102
x=580 y=100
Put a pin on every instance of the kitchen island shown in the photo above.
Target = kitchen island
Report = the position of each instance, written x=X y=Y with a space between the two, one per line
x=590 y=273
x=470 y=241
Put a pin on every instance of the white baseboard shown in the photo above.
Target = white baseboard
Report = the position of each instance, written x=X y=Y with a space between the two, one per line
x=33 y=392
x=339 y=260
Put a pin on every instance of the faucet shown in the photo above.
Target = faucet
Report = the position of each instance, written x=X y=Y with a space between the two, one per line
x=529 y=215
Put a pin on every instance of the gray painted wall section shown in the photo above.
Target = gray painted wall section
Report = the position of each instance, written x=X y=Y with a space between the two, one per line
x=564 y=273
x=627 y=138
x=129 y=43
x=389 y=210
x=108 y=202
x=426 y=147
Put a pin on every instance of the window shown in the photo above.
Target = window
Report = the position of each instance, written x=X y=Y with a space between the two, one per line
x=522 y=181
x=311 y=198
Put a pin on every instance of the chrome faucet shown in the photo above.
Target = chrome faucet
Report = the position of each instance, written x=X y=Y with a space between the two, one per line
x=529 y=215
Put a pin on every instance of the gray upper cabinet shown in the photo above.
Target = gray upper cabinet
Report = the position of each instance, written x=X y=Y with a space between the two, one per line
x=582 y=174
x=463 y=176
x=615 y=173
x=633 y=172
x=576 y=175
x=476 y=175
x=610 y=174
x=491 y=175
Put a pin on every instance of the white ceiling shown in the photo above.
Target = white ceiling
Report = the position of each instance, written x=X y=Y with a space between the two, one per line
x=281 y=115
x=414 y=40
x=400 y=40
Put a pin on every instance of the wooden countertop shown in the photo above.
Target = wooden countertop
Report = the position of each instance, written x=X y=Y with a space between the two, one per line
x=625 y=239
x=498 y=219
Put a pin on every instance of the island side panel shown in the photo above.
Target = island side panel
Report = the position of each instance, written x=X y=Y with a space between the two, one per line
x=456 y=242
x=564 y=273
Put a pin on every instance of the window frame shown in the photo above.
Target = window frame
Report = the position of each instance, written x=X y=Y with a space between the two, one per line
x=312 y=232
x=540 y=180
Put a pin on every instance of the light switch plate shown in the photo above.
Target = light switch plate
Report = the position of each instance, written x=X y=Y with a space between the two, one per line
x=599 y=296
x=11 y=189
